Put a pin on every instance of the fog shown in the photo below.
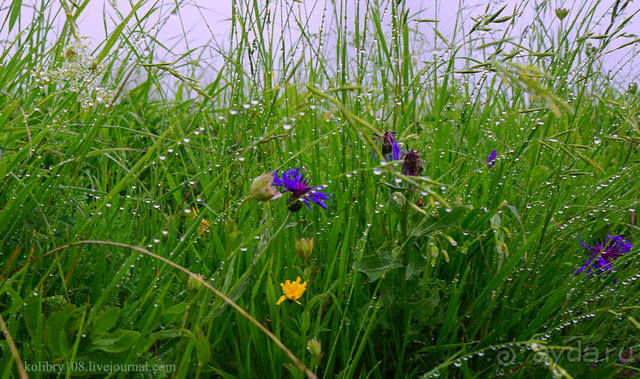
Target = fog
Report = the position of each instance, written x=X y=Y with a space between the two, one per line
x=199 y=31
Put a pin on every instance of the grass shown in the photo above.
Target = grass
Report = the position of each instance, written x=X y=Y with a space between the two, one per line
x=116 y=162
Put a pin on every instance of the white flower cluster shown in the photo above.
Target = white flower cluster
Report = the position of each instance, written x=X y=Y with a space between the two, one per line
x=80 y=73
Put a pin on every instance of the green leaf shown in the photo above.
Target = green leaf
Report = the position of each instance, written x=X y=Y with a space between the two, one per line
x=168 y=334
x=116 y=342
x=305 y=322
x=415 y=265
x=173 y=314
x=106 y=320
x=375 y=266
x=16 y=5
x=203 y=350
x=57 y=340
x=427 y=307
x=33 y=318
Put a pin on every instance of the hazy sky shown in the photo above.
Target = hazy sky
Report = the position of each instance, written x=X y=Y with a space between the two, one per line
x=206 y=22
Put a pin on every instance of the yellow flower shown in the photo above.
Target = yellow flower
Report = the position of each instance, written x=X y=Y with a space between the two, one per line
x=292 y=291
x=204 y=223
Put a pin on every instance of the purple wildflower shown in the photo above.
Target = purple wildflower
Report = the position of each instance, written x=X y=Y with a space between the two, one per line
x=390 y=147
x=603 y=253
x=491 y=159
x=294 y=182
x=412 y=164
x=627 y=359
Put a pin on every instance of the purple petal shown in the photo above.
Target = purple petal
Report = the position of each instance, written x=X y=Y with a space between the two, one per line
x=492 y=157
x=318 y=197
x=583 y=244
x=396 y=152
x=306 y=202
x=293 y=181
x=276 y=179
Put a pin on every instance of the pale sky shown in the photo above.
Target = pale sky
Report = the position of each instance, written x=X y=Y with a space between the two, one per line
x=206 y=22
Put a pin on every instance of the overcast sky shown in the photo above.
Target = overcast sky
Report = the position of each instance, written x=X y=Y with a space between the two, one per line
x=206 y=22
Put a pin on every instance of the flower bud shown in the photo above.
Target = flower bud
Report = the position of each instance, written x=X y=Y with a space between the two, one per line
x=193 y=284
x=315 y=348
x=304 y=247
x=294 y=203
x=561 y=13
x=262 y=188
x=412 y=164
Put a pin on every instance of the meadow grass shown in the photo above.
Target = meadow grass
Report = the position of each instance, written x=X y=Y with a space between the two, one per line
x=115 y=162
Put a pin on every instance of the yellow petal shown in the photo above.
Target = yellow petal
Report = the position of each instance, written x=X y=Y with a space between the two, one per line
x=281 y=299
x=297 y=302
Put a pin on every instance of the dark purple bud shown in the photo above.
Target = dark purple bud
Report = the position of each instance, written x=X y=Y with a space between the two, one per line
x=294 y=203
x=412 y=164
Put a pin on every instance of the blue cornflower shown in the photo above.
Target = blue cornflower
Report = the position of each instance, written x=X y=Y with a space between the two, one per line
x=294 y=182
x=491 y=159
x=390 y=147
x=603 y=253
